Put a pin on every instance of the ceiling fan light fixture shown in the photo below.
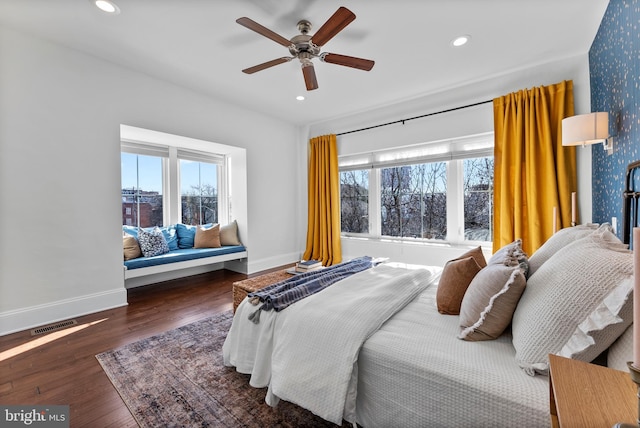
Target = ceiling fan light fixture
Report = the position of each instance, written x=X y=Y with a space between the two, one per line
x=300 y=98
x=461 y=40
x=107 y=6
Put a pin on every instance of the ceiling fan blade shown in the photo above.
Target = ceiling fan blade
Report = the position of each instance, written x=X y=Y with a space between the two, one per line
x=267 y=64
x=348 y=61
x=340 y=19
x=253 y=25
x=309 y=74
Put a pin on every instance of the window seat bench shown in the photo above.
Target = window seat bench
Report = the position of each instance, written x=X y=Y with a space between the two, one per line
x=181 y=259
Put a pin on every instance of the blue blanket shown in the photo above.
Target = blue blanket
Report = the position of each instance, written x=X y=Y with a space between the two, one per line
x=284 y=293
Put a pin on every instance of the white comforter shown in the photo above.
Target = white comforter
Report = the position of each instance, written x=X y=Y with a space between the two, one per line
x=306 y=354
x=414 y=372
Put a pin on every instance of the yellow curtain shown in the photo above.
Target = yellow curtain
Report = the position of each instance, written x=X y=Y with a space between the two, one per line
x=323 y=229
x=533 y=173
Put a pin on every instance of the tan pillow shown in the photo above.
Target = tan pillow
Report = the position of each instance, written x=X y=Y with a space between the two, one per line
x=490 y=301
x=455 y=279
x=229 y=234
x=131 y=247
x=207 y=238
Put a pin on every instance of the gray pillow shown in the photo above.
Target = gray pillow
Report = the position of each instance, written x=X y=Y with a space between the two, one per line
x=558 y=240
x=562 y=293
x=487 y=306
x=621 y=351
x=603 y=325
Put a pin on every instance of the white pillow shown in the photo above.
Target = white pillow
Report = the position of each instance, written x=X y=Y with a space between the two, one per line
x=564 y=291
x=603 y=326
x=488 y=305
x=621 y=351
x=558 y=240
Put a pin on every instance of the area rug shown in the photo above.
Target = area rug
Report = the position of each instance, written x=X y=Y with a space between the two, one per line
x=178 y=379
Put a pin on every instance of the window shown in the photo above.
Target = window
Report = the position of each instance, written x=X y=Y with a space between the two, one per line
x=435 y=191
x=354 y=198
x=142 y=202
x=478 y=199
x=165 y=185
x=198 y=192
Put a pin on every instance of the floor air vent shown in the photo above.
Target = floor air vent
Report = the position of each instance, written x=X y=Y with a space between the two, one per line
x=53 y=327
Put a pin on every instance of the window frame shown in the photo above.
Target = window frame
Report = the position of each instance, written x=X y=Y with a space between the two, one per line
x=452 y=152
x=171 y=194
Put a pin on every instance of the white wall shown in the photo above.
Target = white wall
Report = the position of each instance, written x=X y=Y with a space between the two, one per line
x=60 y=215
x=469 y=121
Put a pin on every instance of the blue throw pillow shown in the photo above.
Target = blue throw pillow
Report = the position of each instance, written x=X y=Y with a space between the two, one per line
x=152 y=243
x=187 y=234
x=131 y=230
x=170 y=236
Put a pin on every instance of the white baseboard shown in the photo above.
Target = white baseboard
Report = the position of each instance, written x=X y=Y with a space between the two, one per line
x=35 y=316
x=271 y=262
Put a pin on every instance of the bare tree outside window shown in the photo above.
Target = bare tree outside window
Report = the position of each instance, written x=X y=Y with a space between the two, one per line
x=414 y=201
x=199 y=192
x=478 y=199
x=354 y=201
x=200 y=205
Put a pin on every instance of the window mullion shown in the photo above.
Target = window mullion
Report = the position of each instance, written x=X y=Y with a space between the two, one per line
x=171 y=186
x=375 y=222
x=224 y=186
x=455 y=202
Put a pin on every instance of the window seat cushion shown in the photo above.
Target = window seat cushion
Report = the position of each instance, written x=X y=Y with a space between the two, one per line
x=182 y=254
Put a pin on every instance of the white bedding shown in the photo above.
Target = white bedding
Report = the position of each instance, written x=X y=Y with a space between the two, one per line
x=307 y=352
x=412 y=372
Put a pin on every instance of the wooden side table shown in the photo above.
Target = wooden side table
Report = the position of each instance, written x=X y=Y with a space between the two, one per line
x=584 y=395
x=242 y=288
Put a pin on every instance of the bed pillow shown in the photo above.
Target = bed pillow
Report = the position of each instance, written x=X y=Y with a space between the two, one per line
x=558 y=240
x=490 y=300
x=511 y=255
x=229 y=234
x=207 y=237
x=621 y=351
x=563 y=293
x=130 y=247
x=152 y=242
x=606 y=323
x=455 y=279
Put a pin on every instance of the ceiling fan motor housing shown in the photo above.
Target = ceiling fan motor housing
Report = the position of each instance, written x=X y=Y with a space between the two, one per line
x=302 y=43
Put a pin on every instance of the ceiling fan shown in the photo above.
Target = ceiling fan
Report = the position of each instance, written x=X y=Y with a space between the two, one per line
x=306 y=47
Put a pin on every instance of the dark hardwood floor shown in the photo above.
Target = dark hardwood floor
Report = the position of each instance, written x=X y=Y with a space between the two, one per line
x=60 y=367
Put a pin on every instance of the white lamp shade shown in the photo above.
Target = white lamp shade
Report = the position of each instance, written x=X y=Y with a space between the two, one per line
x=584 y=129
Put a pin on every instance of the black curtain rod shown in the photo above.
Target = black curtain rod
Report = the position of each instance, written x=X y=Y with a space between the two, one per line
x=415 y=117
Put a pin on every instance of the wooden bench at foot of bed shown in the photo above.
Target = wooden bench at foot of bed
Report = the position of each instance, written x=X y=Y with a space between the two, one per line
x=244 y=287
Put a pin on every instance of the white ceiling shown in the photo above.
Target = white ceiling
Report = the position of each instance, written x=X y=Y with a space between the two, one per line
x=197 y=44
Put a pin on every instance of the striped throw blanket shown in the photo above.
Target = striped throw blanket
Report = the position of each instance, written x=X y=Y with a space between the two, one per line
x=284 y=293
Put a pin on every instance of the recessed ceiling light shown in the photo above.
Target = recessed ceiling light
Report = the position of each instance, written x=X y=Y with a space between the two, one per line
x=300 y=98
x=461 y=40
x=107 y=6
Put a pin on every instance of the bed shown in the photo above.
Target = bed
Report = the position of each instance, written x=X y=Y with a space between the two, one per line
x=384 y=347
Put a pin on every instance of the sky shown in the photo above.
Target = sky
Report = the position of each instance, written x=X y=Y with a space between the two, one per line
x=150 y=173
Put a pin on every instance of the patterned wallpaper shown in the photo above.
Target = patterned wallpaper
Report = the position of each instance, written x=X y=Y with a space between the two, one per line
x=614 y=64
